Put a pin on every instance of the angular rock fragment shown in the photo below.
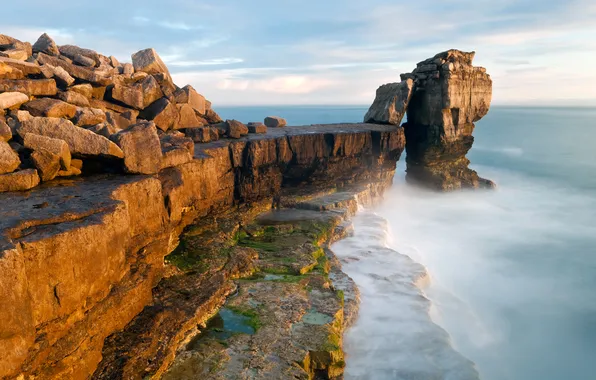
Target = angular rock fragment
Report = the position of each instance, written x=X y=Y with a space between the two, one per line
x=9 y=72
x=27 y=68
x=121 y=120
x=139 y=94
x=128 y=69
x=212 y=117
x=19 y=181
x=162 y=112
x=8 y=42
x=390 y=104
x=167 y=86
x=59 y=74
x=275 y=122
x=18 y=54
x=176 y=150
x=235 y=129
x=214 y=133
x=80 y=141
x=74 y=98
x=141 y=147
x=72 y=52
x=104 y=129
x=114 y=61
x=5 y=131
x=54 y=146
x=79 y=72
x=47 y=164
x=148 y=61
x=76 y=163
x=84 y=89
x=50 y=108
x=9 y=160
x=98 y=92
x=84 y=61
x=35 y=87
x=69 y=173
x=256 y=127
x=88 y=116
x=187 y=117
x=45 y=44
x=188 y=95
x=198 y=134
x=12 y=99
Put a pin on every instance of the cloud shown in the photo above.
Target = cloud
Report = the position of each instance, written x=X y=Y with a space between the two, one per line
x=207 y=62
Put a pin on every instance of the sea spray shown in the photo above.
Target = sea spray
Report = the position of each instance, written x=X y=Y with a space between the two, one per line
x=394 y=336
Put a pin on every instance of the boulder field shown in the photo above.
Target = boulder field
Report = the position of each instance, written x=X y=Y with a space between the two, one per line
x=131 y=213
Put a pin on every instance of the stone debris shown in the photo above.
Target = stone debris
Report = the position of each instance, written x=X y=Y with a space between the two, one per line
x=19 y=181
x=77 y=104
x=275 y=122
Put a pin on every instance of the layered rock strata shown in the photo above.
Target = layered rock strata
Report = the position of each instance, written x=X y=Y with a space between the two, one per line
x=79 y=259
x=449 y=95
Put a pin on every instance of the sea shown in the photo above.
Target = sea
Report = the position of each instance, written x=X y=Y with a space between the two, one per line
x=485 y=284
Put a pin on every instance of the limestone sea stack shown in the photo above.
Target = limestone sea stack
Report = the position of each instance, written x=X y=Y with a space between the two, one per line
x=448 y=96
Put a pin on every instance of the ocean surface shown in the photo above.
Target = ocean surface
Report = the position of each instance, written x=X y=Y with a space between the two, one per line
x=497 y=285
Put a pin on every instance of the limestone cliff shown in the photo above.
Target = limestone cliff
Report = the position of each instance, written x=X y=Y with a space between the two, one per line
x=80 y=258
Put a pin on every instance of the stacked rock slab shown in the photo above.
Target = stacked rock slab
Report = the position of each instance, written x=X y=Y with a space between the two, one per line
x=443 y=98
x=450 y=94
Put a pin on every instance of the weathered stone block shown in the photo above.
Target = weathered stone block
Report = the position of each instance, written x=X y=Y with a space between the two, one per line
x=9 y=160
x=54 y=146
x=35 y=87
x=141 y=147
x=47 y=164
x=390 y=104
x=275 y=122
x=12 y=99
x=50 y=108
x=19 y=181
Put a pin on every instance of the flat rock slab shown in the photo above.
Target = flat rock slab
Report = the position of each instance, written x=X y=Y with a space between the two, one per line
x=17 y=181
x=35 y=87
x=12 y=99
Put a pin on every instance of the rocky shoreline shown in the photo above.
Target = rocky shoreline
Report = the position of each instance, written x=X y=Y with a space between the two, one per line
x=131 y=213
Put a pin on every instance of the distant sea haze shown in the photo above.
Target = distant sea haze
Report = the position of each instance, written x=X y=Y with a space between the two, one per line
x=513 y=271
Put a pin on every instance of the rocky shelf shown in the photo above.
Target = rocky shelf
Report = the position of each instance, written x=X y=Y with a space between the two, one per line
x=136 y=226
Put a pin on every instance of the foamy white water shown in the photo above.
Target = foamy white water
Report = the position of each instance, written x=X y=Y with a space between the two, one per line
x=394 y=336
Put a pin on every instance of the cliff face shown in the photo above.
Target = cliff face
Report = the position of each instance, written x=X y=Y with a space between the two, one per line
x=79 y=258
x=449 y=95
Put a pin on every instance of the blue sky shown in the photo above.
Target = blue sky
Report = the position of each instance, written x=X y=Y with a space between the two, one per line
x=255 y=52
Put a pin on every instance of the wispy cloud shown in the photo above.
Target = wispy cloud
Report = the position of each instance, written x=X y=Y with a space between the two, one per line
x=206 y=62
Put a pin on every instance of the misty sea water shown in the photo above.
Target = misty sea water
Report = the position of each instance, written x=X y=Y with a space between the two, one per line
x=512 y=271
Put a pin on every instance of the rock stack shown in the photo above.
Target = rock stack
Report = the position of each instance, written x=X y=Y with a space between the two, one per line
x=442 y=97
x=65 y=110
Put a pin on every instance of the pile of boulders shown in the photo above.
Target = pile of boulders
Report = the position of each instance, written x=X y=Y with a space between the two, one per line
x=66 y=110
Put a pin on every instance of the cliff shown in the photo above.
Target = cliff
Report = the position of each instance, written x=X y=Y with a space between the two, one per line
x=443 y=98
x=79 y=258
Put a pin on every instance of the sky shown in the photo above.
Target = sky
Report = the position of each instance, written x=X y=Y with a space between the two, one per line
x=331 y=52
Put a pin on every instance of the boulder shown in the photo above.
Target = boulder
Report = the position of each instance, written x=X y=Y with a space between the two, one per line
x=79 y=72
x=84 y=61
x=88 y=116
x=69 y=173
x=198 y=134
x=84 y=89
x=27 y=68
x=390 y=104
x=18 y=54
x=9 y=160
x=59 y=74
x=80 y=141
x=114 y=61
x=104 y=129
x=5 y=131
x=76 y=163
x=139 y=94
x=128 y=69
x=9 y=72
x=188 y=95
x=98 y=92
x=45 y=44
x=235 y=129
x=47 y=164
x=50 y=108
x=141 y=147
x=31 y=87
x=121 y=120
x=187 y=117
x=19 y=181
x=72 y=52
x=74 y=98
x=214 y=133
x=8 y=42
x=167 y=86
x=163 y=113
x=54 y=146
x=148 y=61
x=256 y=127
x=212 y=117
x=275 y=122
x=12 y=99
x=176 y=150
